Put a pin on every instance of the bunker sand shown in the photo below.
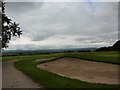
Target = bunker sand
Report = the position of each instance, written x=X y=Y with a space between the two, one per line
x=90 y=71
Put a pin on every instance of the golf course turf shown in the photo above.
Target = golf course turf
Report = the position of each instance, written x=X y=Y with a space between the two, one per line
x=51 y=80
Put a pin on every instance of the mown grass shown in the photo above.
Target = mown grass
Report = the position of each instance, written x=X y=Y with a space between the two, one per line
x=31 y=56
x=50 y=80
x=107 y=57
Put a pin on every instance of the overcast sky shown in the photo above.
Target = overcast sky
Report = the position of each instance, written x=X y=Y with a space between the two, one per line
x=47 y=25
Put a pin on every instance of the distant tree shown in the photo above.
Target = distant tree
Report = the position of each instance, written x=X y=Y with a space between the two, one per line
x=8 y=28
x=115 y=47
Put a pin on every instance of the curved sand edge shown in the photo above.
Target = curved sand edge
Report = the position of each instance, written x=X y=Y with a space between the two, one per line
x=90 y=71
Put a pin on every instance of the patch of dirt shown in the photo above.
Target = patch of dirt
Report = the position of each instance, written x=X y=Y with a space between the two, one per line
x=90 y=71
x=12 y=78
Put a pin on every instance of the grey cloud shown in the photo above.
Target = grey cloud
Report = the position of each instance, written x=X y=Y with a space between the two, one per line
x=97 y=21
x=42 y=36
x=20 y=7
x=95 y=40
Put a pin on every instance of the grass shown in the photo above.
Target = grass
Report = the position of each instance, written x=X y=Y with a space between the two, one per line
x=107 y=57
x=50 y=80
x=6 y=58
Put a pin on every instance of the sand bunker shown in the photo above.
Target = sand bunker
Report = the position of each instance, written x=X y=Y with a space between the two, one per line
x=89 y=71
x=44 y=59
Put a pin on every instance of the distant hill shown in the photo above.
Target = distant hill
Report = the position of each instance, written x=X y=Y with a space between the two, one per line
x=115 y=47
x=45 y=51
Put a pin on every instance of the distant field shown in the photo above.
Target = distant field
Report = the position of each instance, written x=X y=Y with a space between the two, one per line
x=50 y=80
x=30 y=56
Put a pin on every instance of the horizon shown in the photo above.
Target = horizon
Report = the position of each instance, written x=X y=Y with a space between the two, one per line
x=51 y=49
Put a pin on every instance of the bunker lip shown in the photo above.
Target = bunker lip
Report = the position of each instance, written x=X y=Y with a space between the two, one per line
x=43 y=59
x=90 y=71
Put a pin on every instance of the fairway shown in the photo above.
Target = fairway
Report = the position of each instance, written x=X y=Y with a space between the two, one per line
x=107 y=57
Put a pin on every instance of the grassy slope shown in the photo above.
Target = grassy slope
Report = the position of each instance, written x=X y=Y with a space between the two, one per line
x=50 y=80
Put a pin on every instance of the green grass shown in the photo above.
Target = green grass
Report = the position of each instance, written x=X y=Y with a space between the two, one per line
x=107 y=57
x=31 y=56
x=50 y=80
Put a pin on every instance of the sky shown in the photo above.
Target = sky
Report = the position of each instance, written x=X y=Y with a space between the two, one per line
x=60 y=25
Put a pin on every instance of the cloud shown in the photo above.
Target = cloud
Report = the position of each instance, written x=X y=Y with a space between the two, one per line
x=62 y=0
x=61 y=24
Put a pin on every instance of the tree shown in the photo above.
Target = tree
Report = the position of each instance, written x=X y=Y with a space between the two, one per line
x=8 y=28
